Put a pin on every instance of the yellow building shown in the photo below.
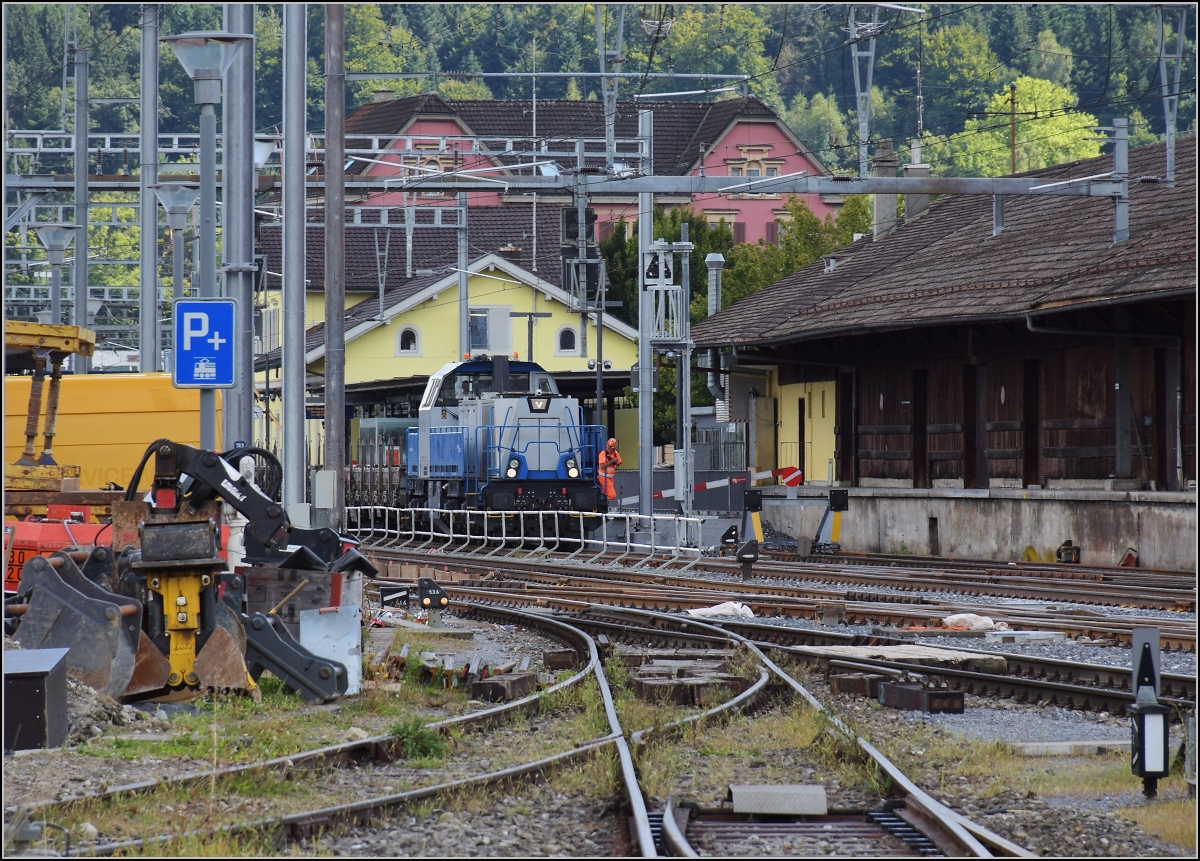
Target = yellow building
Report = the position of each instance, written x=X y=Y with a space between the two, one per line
x=512 y=311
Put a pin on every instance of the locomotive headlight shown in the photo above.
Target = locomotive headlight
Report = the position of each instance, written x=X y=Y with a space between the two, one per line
x=572 y=468
x=514 y=465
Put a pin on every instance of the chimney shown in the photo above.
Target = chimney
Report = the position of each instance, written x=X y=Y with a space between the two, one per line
x=385 y=95
x=511 y=253
x=885 y=204
x=915 y=204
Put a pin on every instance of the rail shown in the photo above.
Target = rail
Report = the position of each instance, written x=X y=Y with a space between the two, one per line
x=637 y=540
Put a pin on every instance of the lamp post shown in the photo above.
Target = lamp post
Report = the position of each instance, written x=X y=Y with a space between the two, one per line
x=206 y=57
x=264 y=148
x=177 y=199
x=55 y=238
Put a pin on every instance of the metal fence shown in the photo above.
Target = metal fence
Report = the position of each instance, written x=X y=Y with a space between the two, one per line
x=636 y=540
x=720 y=448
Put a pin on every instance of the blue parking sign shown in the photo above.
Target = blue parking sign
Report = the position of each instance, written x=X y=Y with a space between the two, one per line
x=204 y=343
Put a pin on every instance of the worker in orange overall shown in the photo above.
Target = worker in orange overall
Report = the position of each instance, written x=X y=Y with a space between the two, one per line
x=610 y=459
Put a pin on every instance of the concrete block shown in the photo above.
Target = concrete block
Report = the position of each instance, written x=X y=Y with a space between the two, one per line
x=1069 y=748
x=830 y=612
x=857 y=684
x=504 y=688
x=717 y=689
x=1024 y=636
x=559 y=659
x=781 y=800
x=663 y=691
x=944 y=701
x=909 y=697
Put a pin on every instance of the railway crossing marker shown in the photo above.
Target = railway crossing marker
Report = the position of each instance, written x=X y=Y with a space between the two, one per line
x=788 y=475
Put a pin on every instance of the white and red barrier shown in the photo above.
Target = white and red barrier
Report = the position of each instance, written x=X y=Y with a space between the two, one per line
x=789 y=476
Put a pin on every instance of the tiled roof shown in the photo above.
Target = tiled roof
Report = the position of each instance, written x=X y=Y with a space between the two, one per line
x=489 y=228
x=435 y=255
x=680 y=128
x=364 y=311
x=386 y=118
x=946 y=265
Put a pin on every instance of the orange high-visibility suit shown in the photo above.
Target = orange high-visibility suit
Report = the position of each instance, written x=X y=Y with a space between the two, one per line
x=610 y=459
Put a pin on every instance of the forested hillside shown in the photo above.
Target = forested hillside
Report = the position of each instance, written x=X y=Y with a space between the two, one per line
x=1075 y=65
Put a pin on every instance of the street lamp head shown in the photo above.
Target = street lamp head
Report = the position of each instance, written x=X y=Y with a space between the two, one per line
x=55 y=237
x=207 y=50
x=715 y=261
x=177 y=199
x=264 y=148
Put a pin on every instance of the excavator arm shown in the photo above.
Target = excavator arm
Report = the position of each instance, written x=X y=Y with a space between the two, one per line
x=213 y=476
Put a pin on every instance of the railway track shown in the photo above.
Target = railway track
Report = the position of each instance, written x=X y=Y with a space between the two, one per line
x=311 y=828
x=889 y=597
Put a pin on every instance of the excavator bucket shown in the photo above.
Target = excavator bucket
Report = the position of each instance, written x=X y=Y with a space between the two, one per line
x=150 y=669
x=221 y=665
x=100 y=629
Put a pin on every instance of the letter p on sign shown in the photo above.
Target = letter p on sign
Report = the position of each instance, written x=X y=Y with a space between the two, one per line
x=195 y=325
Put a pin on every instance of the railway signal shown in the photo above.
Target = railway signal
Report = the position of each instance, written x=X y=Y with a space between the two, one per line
x=1150 y=750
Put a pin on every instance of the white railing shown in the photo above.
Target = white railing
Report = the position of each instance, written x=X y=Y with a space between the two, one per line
x=588 y=538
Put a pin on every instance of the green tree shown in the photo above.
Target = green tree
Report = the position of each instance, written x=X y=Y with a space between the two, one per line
x=823 y=128
x=1055 y=133
x=724 y=39
x=1050 y=61
x=959 y=71
x=803 y=239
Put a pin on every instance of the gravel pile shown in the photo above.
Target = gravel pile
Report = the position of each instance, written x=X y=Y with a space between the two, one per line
x=532 y=822
x=835 y=841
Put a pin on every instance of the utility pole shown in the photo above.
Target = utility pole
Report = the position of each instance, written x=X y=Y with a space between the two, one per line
x=335 y=265
x=861 y=39
x=1170 y=91
x=237 y=193
x=1012 y=128
x=295 y=142
x=860 y=33
x=80 y=363
x=148 y=331
x=645 y=324
x=464 y=296
x=608 y=86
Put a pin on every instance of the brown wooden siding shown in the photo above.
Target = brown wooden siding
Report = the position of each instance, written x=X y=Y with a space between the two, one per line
x=1044 y=409
x=945 y=420
x=884 y=423
x=1003 y=415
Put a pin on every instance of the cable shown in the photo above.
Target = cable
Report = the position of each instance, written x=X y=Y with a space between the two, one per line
x=131 y=491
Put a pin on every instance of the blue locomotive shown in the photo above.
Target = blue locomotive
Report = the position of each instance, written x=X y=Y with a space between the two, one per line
x=496 y=435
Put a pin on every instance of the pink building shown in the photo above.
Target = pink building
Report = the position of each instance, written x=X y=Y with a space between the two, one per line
x=739 y=137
